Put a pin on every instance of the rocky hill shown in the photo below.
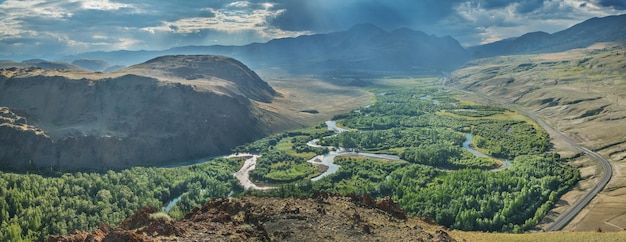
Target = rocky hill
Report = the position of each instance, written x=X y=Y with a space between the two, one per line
x=591 y=31
x=321 y=218
x=136 y=116
x=243 y=81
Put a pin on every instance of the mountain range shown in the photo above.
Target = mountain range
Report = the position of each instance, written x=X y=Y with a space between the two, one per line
x=362 y=48
x=591 y=31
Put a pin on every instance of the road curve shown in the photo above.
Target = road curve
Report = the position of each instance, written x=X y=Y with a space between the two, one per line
x=568 y=215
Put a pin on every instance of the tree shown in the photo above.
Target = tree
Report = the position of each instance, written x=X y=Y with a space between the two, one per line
x=13 y=231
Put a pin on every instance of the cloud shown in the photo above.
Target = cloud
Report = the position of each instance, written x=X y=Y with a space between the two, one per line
x=529 y=6
x=41 y=27
x=235 y=18
x=104 y=5
x=331 y=15
x=617 y=4
x=239 y=4
x=494 y=4
x=520 y=17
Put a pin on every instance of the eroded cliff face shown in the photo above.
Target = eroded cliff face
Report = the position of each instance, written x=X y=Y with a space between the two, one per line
x=60 y=119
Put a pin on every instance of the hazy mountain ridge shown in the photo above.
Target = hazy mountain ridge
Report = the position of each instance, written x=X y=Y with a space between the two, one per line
x=44 y=64
x=368 y=48
x=94 y=120
x=591 y=31
x=362 y=48
x=93 y=65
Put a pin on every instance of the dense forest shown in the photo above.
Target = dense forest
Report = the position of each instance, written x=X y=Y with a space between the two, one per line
x=36 y=206
x=433 y=175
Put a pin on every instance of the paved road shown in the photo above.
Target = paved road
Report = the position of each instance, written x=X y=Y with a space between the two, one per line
x=568 y=215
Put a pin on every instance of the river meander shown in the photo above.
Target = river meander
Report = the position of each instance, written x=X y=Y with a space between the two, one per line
x=326 y=160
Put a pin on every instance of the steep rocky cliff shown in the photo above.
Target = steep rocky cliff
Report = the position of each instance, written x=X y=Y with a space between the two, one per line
x=72 y=119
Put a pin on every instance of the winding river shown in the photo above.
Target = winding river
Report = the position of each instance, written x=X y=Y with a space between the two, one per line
x=243 y=175
x=328 y=159
x=467 y=146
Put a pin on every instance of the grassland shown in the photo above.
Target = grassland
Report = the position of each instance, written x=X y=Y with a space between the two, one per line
x=551 y=236
x=298 y=95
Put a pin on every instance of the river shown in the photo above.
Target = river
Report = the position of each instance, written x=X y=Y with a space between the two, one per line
x=171 y=204
x=243 y=175
x=328 y=160
x=466 y=145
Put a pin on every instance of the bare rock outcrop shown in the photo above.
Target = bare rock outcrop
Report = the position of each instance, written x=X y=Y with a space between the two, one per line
x=322 y=218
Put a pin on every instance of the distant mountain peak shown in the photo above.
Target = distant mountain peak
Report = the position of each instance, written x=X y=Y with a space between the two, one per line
x=404 y=31
x=536 y=33
x=366 y=28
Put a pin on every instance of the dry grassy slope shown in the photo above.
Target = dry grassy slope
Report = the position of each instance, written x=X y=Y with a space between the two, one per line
x=298 y=93
x=196 y=69
x=582 y=93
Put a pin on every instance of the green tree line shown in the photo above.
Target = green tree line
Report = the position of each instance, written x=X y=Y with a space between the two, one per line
x=35 y=206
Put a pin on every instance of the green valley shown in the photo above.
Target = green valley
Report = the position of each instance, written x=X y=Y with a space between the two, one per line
x=411 y=119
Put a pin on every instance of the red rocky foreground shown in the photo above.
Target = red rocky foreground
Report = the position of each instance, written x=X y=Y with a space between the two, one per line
x=321 y=218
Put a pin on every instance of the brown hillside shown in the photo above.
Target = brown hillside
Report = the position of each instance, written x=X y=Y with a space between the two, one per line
x=198 y=68
x=136 y=116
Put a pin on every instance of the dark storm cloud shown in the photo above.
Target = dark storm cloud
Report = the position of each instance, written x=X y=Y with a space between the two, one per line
x=493 y=4
x=524 y=6
x=529 y=6
x=617 y=4
x=331 y=15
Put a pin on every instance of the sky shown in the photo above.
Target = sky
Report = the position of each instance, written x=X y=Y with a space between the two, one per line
x=64 y=27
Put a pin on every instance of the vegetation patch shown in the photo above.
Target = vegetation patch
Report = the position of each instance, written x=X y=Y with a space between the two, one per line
x=36 y=205
x=442 y=180
x=277 y=166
